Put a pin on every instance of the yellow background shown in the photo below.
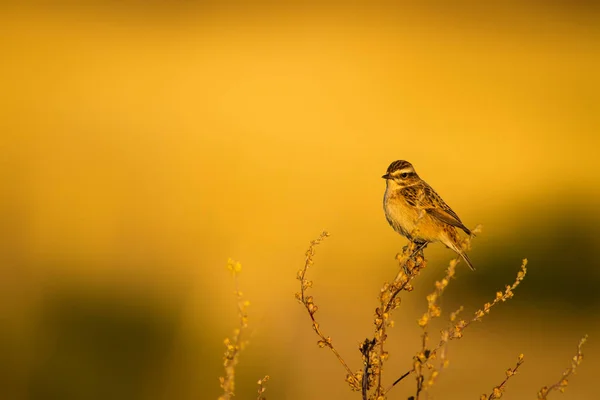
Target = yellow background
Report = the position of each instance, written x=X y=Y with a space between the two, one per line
x=143 y=144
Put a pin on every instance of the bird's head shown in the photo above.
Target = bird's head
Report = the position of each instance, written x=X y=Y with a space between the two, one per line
x=401 y=173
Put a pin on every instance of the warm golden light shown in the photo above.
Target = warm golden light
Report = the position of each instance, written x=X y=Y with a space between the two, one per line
x=144 y=144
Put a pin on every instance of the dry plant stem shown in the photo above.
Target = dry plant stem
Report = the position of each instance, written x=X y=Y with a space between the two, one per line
x=234 y=345
x=561 y=385
x=411 y=262
x=366 y=349
x=499 y=390
x=420 y=380
x=262 y=383
x=456 y=331
x=433 y=311
x=443 y=350
x=311 y=308
x=418 y=364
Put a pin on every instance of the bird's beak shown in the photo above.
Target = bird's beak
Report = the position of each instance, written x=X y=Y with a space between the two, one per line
x=386 y=176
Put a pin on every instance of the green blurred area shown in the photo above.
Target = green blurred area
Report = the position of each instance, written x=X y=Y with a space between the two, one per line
x=144 y=144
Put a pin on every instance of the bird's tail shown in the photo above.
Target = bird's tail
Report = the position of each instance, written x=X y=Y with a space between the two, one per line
x=452 y=244
x=466 y=258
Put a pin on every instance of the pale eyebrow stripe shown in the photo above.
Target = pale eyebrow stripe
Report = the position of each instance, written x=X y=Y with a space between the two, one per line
x=402 y=171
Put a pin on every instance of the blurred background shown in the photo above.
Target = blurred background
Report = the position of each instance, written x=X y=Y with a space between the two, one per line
x=144 y=143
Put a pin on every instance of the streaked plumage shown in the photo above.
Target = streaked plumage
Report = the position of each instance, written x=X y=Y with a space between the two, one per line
x=417 y=212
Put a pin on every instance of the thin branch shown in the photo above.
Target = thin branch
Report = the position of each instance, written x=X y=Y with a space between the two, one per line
x=234 y=345
x=407 y=373
x=433 y=311
x=498 y=391
x=561 y=385
x=311 y=308
x=411 y=263
x=262 y=383
x=456 y=331
x=365 y=349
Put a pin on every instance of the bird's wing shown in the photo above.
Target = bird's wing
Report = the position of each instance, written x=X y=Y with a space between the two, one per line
x=448 y=218
x=435 y=206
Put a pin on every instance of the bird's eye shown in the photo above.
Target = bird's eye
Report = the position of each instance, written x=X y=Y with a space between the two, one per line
x=404 y=175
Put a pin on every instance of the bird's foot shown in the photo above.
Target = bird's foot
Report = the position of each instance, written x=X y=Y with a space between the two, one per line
x=420 y=246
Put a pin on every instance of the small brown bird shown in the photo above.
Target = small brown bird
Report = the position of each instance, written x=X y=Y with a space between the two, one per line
x=416 y=211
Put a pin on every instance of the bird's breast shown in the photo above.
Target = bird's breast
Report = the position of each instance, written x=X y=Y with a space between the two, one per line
x=408 y=220
x=400 y=215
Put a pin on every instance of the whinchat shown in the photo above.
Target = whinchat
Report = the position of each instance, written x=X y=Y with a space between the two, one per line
x=416 y=211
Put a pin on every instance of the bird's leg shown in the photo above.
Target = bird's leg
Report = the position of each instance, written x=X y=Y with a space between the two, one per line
x=420 y=247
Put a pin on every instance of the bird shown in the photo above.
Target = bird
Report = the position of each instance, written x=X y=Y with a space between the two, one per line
x=417 y=212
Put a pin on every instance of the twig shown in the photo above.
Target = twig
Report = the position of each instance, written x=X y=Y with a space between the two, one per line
x=411 y=262
x=235 y=344
x=366 y=350
x=499 y=390
x=456 y=331
x=262 y=383
x=311 y=308
x=561 y=385
x=433 y=311
x=407 y=373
